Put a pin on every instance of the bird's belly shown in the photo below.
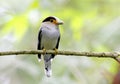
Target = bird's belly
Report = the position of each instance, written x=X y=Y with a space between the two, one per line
x=49 y=41
x=49 y=44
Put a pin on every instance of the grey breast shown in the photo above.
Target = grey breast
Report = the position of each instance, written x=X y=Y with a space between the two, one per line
x=50 y=37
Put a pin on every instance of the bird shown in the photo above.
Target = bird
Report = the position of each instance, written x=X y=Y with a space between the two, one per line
x=48 y=39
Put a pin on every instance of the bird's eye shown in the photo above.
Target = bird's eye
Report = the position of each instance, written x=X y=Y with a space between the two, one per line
x=51 y=20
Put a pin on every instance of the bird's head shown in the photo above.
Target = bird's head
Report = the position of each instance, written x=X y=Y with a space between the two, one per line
x=53 y=20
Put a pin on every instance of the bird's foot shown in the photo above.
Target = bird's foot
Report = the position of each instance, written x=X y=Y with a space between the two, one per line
x=44 y=51
x=56 y=51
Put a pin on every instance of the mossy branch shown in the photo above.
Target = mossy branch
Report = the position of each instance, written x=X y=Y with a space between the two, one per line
x=113 y=55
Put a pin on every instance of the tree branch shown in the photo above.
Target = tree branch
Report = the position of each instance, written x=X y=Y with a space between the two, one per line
x=113 y=55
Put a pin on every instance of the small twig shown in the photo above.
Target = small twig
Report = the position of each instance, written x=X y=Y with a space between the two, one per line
x=113 y=55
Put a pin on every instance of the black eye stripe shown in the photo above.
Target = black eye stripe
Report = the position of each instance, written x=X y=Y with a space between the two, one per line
x=49 y=19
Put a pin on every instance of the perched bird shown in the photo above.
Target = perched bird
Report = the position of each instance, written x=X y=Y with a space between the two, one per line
x=48 y=39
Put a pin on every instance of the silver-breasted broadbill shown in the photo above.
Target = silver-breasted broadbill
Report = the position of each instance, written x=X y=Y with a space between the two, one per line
x=48 y=39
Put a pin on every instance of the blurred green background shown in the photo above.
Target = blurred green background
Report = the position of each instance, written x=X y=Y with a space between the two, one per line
x=89 y=25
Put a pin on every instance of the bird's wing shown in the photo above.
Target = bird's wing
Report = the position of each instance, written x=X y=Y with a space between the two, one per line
x=39 y=42
x=57 y=45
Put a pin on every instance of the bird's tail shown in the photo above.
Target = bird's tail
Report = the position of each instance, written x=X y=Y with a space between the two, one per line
x=47 y=61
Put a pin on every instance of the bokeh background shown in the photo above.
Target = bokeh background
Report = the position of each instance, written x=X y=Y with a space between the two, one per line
x=89 y=25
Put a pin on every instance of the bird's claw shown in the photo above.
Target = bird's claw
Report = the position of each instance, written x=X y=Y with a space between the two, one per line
x=56 y=51
x=44 y=51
